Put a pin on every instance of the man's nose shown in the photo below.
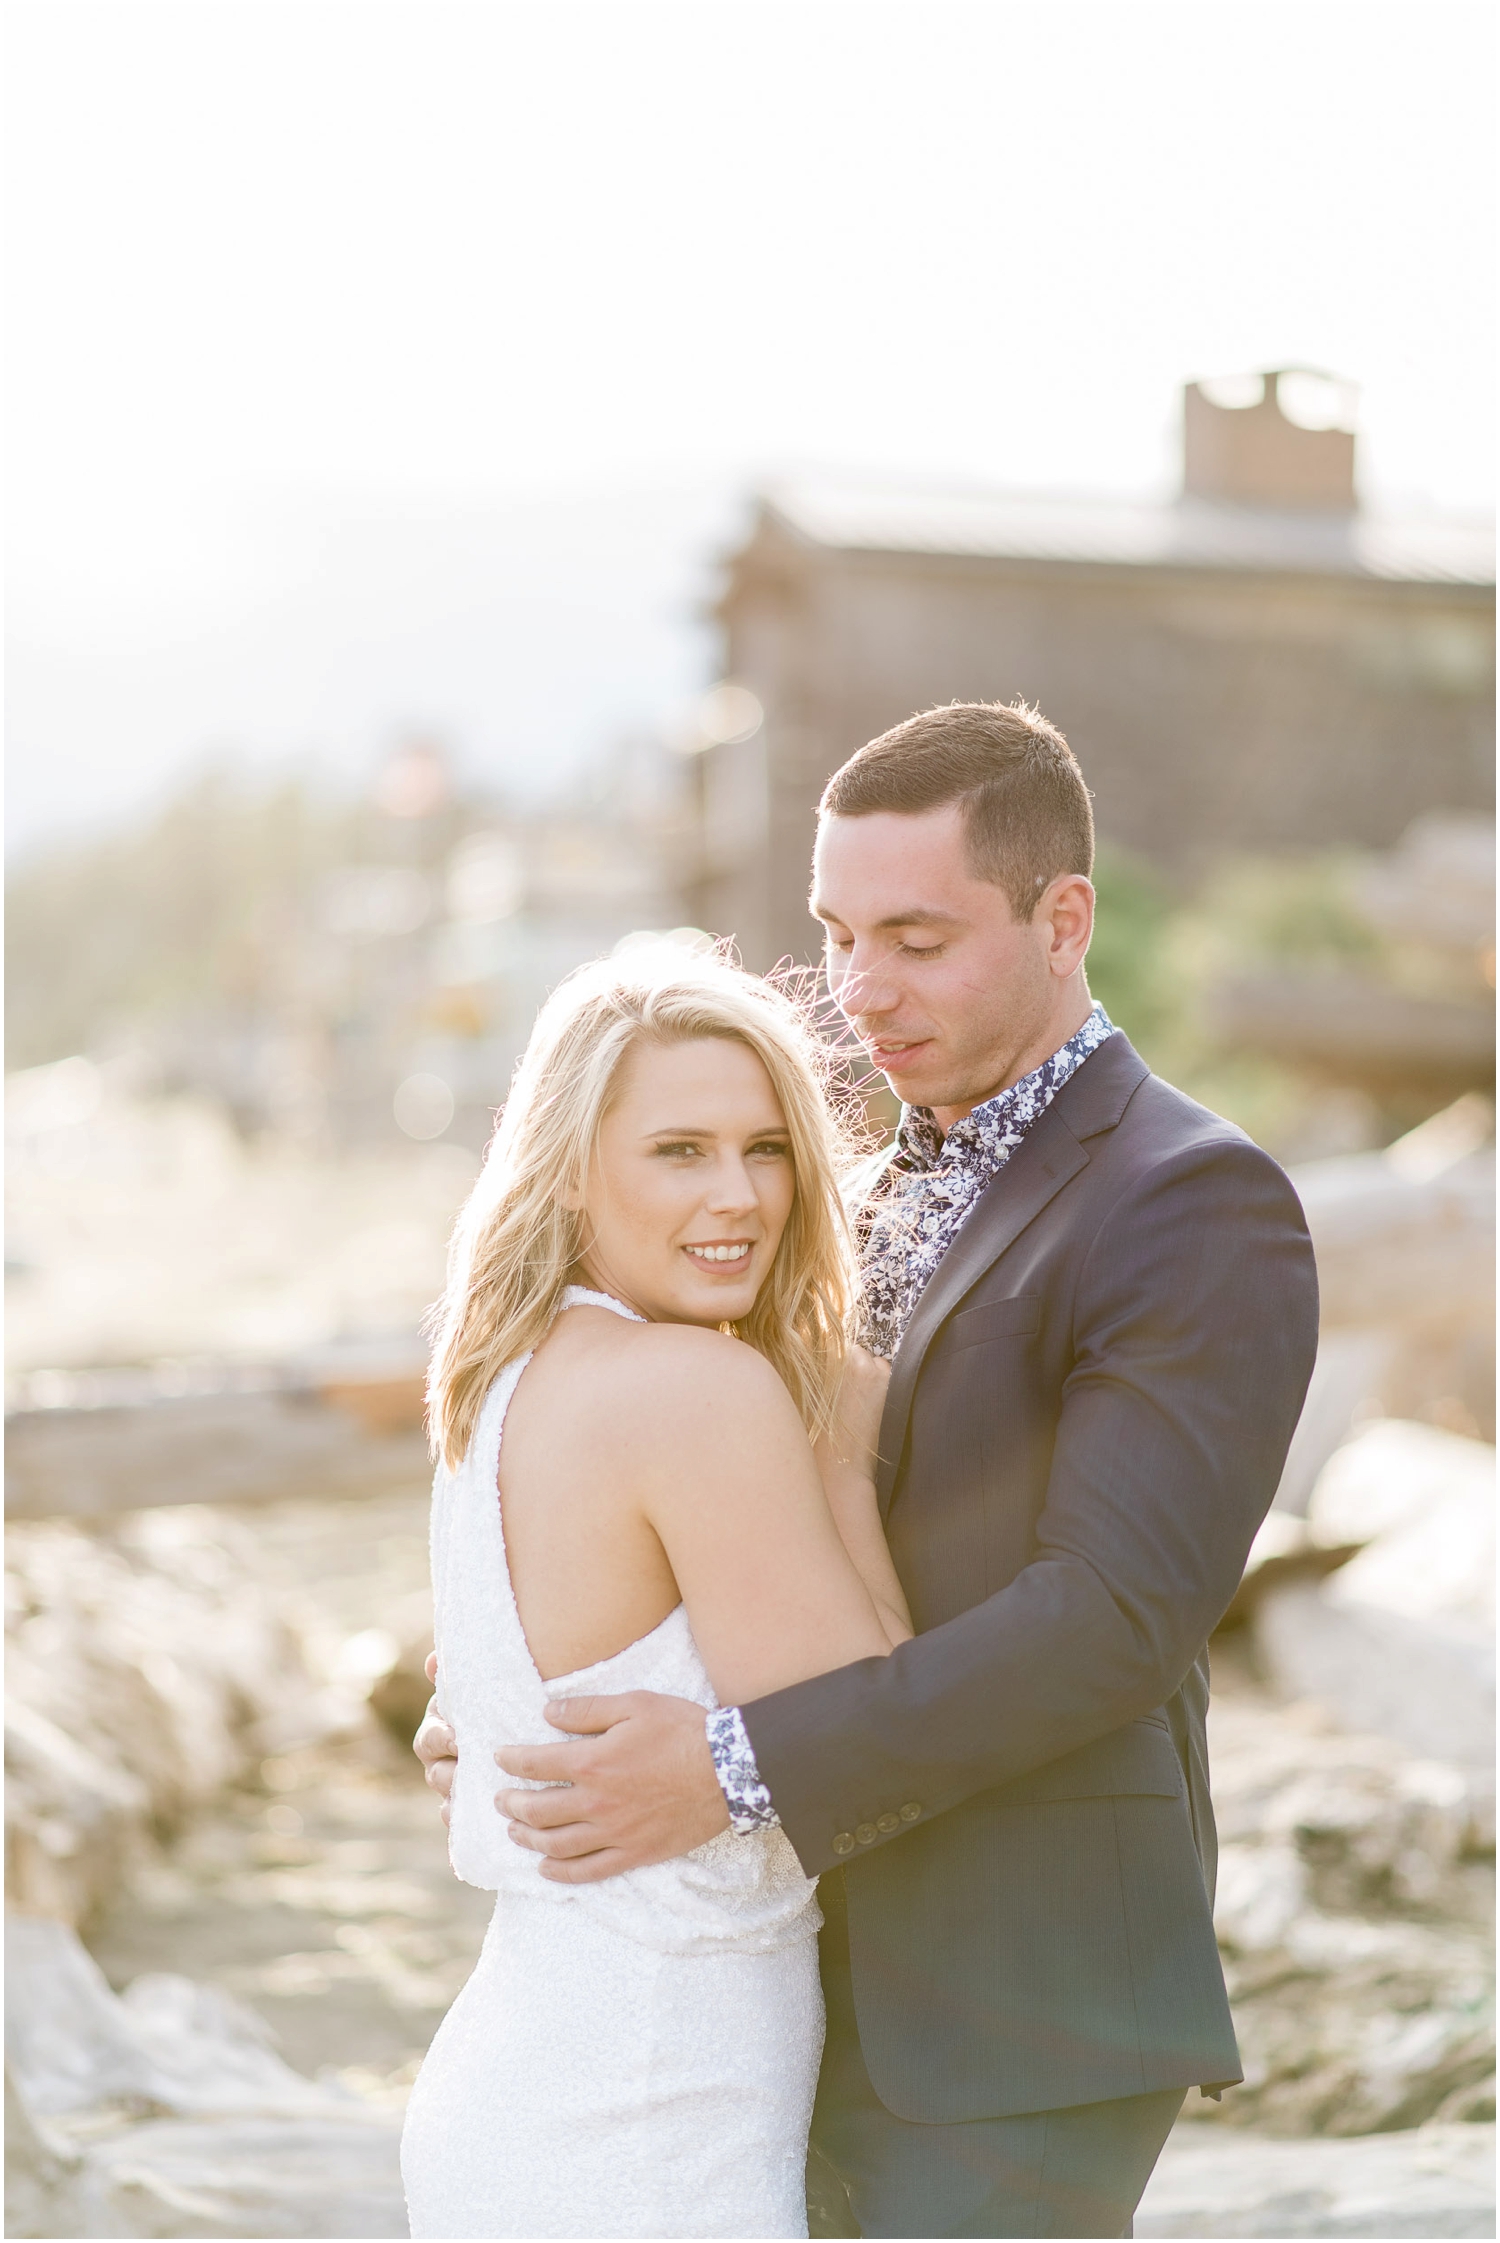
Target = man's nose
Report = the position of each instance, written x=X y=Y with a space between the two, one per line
x=865 y=989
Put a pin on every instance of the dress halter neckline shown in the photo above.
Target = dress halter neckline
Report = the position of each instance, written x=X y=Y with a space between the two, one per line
x=581 y=1296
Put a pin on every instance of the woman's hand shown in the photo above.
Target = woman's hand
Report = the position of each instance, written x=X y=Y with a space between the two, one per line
x=436 y=1746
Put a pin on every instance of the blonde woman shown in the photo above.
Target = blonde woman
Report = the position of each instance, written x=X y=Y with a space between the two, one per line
x=656 y=1474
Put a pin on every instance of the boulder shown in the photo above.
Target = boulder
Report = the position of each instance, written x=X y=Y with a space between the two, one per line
x=166 y=2112
x=1369 y=1669
x=1400 y=1640
x=1354 y=1904
x=1436 y=2181
x=1398 y=1239
x=147 y=1665
x=1392 y=1473
x=1349 y=1373
x=254 y=2177
x=47 y=2190
x=1285 y=1549
x=1405 y=1241
x=166 y=2044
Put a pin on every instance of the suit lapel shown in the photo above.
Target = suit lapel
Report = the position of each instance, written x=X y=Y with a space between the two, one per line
x=1050 y=1155
x=1035 y=1173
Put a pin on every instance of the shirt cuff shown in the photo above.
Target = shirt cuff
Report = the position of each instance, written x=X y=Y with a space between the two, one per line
x=748 y=1800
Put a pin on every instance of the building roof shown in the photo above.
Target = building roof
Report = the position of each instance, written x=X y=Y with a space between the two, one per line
x=1192 y=533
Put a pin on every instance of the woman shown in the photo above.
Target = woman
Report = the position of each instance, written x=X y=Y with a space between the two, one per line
x=650 y=1295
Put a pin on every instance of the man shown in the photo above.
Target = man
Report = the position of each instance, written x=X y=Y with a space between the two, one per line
x=1100 y=1306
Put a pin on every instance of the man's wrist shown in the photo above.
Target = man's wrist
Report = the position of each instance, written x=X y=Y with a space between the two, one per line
x=748 y=1800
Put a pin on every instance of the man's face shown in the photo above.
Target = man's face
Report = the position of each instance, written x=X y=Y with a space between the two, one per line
x=953 y=996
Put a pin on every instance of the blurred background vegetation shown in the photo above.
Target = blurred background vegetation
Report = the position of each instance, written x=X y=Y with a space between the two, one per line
x=297 y=954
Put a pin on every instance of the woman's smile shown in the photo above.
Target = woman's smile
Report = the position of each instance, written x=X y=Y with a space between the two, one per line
x=694 y=1142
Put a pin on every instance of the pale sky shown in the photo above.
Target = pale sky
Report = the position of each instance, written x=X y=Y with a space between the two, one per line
x=382 y=364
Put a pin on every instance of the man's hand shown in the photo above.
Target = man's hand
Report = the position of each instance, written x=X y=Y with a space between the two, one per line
x=436 y=1746
x=641 y=1787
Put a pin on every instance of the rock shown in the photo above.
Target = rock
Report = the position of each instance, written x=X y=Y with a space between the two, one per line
x=1437 y=2181
x=1354 y=1911
x=253 y=2177
x=1438 y=1566
x=250 y=2147
x=1284 y=1549
x=74 y=1818
x=1396 y=1241
x=166 y=2044
x=46 y=2189
x=1399 y=1641
x=1391 y=1474
x=1374 y=1670
x=1405 y=1241
x=1348 y=1375
x=147 y=1666
x=399 y=1697
x=1260 y=1896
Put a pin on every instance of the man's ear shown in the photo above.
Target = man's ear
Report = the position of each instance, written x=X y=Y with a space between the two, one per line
x=1067 y=911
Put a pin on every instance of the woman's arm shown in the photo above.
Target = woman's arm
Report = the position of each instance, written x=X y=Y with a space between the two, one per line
x=725 y=1476
x=846 y=1460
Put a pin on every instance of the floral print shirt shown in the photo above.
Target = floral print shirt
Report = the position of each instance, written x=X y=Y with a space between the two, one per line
x=931 y=1183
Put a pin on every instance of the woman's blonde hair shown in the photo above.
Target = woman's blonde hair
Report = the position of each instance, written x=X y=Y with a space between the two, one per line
x=518 y=1242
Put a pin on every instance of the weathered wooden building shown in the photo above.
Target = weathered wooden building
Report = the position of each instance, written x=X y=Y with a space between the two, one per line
x=1260 y=664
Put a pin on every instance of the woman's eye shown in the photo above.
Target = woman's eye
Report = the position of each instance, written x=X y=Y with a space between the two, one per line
x=772 y=1149
x=677 y=1151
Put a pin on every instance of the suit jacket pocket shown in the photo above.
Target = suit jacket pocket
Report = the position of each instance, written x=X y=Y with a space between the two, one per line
x=1016 y=1318
x=1140 y=1758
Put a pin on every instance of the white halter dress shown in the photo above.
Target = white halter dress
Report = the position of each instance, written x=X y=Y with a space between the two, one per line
x=631 y=2058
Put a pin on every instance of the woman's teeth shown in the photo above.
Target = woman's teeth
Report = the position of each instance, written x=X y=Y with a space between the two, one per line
x=720 y=1253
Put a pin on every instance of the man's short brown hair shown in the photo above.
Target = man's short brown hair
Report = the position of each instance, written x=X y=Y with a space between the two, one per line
x=1026 y=810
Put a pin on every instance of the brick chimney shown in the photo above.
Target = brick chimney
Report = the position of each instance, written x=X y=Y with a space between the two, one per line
x=1254 y=455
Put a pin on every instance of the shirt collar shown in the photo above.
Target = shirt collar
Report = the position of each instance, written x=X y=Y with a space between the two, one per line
x=986 y=1135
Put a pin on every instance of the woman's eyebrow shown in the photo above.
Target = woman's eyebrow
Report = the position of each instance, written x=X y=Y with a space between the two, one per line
x=771 y=1129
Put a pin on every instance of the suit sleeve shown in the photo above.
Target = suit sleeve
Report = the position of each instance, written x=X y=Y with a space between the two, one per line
x=1195 y=1327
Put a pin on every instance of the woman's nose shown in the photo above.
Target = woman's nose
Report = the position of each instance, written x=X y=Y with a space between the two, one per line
x=731 y=1188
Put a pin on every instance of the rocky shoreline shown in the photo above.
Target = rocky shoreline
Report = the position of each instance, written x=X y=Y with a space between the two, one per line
x=245 y=1847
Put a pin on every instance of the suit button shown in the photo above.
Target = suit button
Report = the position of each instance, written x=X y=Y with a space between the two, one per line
x=887 y=1822
x=865 y=1832
x=843 y=1842
x=911 y=1811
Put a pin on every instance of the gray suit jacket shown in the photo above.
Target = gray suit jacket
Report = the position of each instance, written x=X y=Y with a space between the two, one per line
x=1087 y=1418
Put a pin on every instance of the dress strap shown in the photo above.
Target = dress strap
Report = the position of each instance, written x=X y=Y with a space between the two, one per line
x=579 y=1296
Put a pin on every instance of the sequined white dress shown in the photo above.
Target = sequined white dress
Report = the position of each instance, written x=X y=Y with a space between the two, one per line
x=631 y=2058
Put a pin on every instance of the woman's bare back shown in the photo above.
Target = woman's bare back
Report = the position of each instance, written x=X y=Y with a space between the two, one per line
x=647 y=1464
x=587 y=1568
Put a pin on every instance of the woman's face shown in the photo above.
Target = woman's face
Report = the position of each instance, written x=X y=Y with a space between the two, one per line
x=691 y=1184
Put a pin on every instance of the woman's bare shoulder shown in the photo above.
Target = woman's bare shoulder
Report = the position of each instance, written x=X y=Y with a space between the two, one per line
x=650 y=1398
x=685 y=1369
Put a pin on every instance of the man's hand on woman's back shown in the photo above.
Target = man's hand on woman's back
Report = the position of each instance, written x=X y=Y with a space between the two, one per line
x=635 y=1783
